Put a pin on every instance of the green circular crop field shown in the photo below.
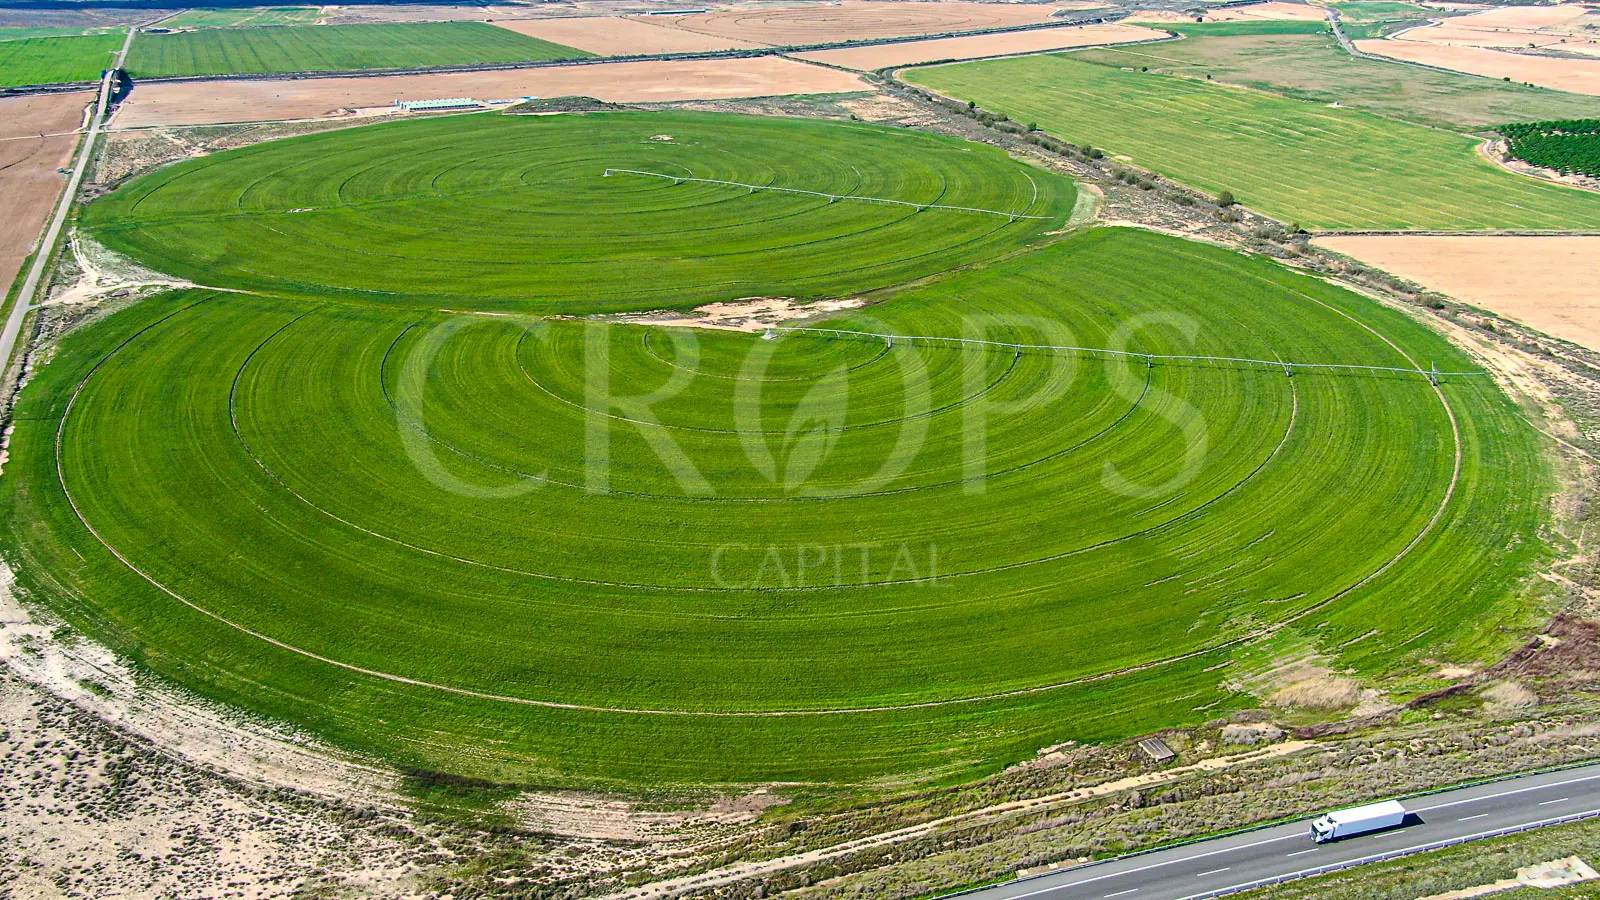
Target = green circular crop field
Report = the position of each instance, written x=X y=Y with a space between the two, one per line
x=561 y=550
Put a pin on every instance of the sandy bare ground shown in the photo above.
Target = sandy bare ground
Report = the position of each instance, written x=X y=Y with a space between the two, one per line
x=217 y=102
x=29 y=182
x=1548 y=283
x=1580 y=76
x=857 y=20
x=620 y=36
x=978 y=46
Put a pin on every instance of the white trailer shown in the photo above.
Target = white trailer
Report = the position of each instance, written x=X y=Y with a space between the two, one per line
x=1357 y=820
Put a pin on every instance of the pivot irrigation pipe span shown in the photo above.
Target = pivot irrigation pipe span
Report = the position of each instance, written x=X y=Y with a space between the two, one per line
x=678 y=179
x=1288 y=368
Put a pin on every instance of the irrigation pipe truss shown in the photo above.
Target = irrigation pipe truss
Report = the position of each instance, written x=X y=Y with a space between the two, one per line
x=1432 y=374
x=679 y=179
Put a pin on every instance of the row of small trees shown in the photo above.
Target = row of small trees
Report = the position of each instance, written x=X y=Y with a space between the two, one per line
x=1568 y=146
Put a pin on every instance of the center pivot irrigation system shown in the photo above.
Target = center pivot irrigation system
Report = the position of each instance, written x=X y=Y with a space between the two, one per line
x=832 y=198
x=1432 y=373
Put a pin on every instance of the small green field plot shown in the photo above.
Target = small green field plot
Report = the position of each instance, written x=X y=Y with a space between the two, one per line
x=57 y=60
x=246 y=15
x=1315 y=67
x=334 y=48
x=1568 y=147
x=1301 y=162
x=1381 y=10
x=479 y=211
x=1235 y=29
x=378 y=498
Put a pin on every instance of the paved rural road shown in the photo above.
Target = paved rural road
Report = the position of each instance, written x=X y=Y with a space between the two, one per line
x=13 y=325
x=1230 y=863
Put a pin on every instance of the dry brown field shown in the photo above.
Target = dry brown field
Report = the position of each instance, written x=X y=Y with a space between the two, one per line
x=1580 y=76
x=37 y=137
x=978 y=46
x=1548 y=283
x=218 y=102
x=619 y=36
x=855 y=20
x=1271 y=11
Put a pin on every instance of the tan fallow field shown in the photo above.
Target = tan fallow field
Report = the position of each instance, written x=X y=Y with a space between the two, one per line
x=37 y=137
x=1580 y=76
x=619 y=36
x=1549 y=283
x=1568 y=27
x=856 y=20
x=1271 y=11
x=978 y=46
x=218 y=102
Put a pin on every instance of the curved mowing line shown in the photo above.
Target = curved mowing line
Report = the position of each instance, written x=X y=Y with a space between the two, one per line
x=678 y=498
x=550 y=704
x=677 y=179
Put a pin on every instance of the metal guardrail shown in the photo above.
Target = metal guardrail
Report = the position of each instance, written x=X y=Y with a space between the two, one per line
x=1288 y=367
x=1393 y=854
x=679 y=179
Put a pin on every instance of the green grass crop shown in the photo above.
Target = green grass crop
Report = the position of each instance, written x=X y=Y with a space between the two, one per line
x=515 y=212
x=243 y=16
x=17 y=34
x=1316 y=68
x=334 y=48
x=1323 y=167
x=1567 y=146
x=816 y=560
x=57 y=60
x=1247 y=27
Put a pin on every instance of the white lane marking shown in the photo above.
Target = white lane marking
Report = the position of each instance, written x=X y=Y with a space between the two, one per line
x=1296 y=835
x=1120 y=893
x=1548 y=802
x=1214 y=872
x=1537 y=787
x=1313 y=850
x=1470 y=818
x=1401 y=852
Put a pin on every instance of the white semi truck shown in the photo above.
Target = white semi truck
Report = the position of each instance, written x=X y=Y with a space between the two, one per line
x=1357 y=820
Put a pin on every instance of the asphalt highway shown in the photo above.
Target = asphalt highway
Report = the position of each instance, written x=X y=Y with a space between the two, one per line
x=1231 y=863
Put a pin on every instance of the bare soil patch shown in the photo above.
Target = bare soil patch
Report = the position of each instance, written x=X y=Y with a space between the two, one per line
x=619 y=36
x=752 y=314
x=218 y=102
x=1548 y=283
x=37 y=137
x=1579 y=76
x=977 y=46
x=858 y=20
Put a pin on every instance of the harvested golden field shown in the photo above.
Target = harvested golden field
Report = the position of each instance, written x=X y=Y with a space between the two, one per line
x=216 y=102
x=857 y=20
x=1548 y=283
x=37 y=136
x=1259 y=12
x=619 y=36
x=977 y=46
x=1580 y=76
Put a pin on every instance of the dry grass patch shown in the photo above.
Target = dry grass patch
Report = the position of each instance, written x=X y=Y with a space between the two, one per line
x=1322 y=692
